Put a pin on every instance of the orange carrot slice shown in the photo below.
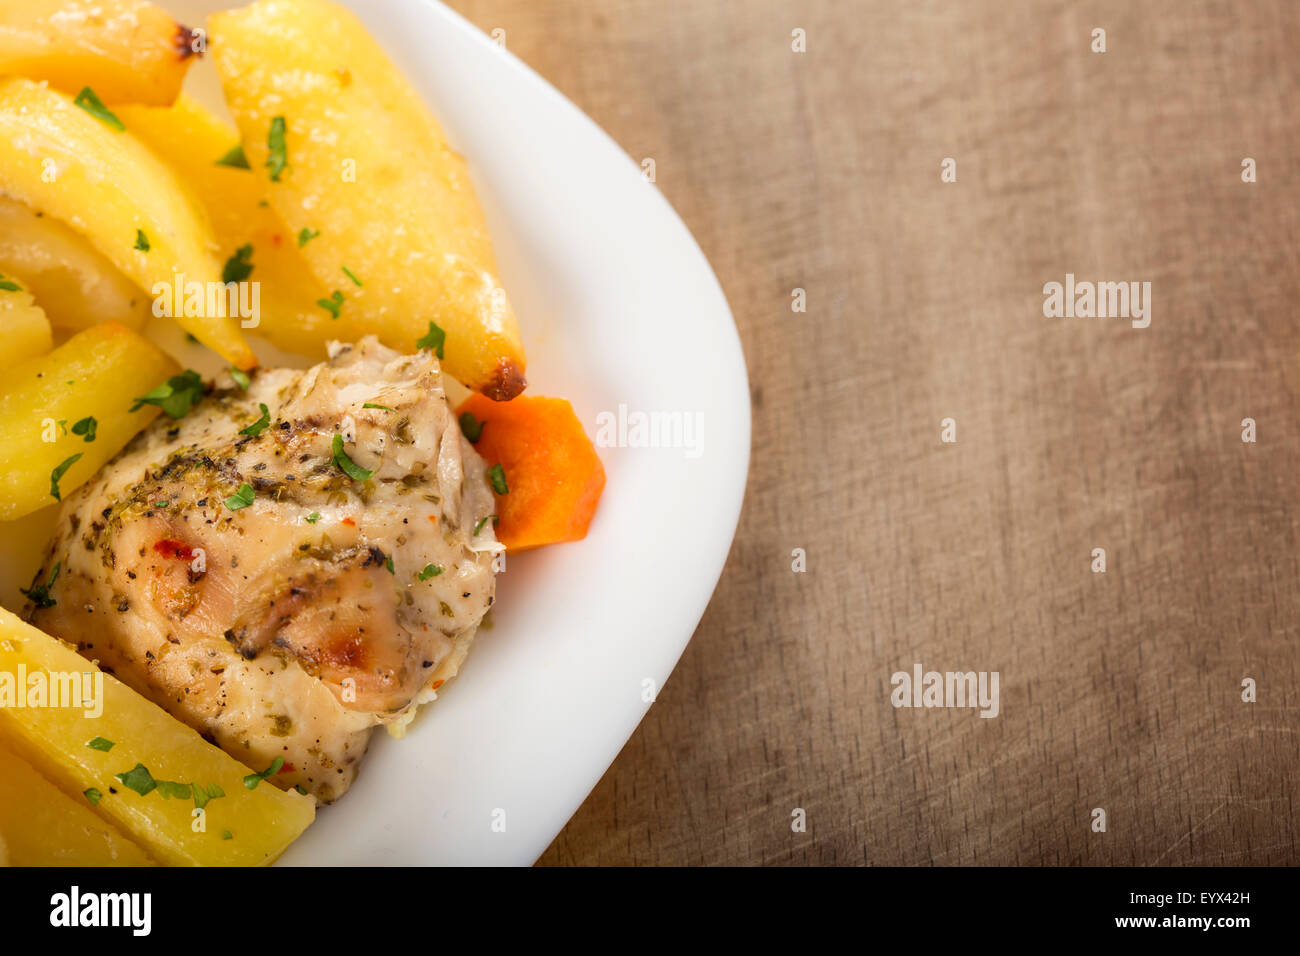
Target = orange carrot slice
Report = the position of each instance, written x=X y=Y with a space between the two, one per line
x=549 y=466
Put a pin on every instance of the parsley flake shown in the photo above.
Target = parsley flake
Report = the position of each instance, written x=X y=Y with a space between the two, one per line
x=430 y=571
x=332 y=304
x=235 y=158
x=39 y=594
x=253 y=779
x=497 y=475
x=176 y=396
x=471 y=427
x=239 y=266
x=59 y=471
x=258 y=426
x=100 y=744
x=241 y=498
x=346 y=464
x=278 y=161
x=93 y=795
x=434 y=339
x=93 y=105
x=86 y=427
x=306 y=235
x=141 y=241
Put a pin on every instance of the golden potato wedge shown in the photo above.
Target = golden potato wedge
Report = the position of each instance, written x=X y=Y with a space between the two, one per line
x=141 y=741
x=43 y=826
x=350 y=152
x=71 y=281
x=63 y=161
x=23 y=326
x=128 y=50
x=190 y=139
x=47 y=444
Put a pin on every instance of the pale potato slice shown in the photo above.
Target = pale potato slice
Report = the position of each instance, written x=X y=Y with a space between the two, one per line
x=190 y=139
x=129 y=51
x=43 y=826
x=97 y=374
x=244 y=827
x=367 y=166
x=60 y=159
x=24 y=329
x=71 y=281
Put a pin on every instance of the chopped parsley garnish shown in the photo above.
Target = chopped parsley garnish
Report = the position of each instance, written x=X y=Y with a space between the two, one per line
x=235 y=158
x=99 y=743
x=59 y=471
x=306 y=235
x=301 y=789
x=141 y=241
x=241 y=498
x=93 y=795
x=471 y=427
x=253 y=779
x=92 y=104
x=227 y=835
x=168 y=789
x=86 y=427
x=313 y=517
x=241 y=378
x=258 y=426
x=482 y=521
x=139 y=779
x=39 y=594
x=332 y=304
x=433 y=339
x=388 y=563
x=430 y=571
x=346 y=464
x=203 y=794
x=161 y=504
x=239 y=266
x=278 y=161
x=176 y=396
x=351 y=275
x=382 y=408
x=8 y=285
x=497 y=475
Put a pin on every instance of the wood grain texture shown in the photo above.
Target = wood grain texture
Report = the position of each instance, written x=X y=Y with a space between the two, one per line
x=821 y=171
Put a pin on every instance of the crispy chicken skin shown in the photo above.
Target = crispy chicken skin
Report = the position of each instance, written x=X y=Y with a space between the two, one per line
x=293 y=626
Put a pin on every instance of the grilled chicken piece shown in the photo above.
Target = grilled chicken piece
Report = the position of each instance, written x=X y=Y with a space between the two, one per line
x=292 y=626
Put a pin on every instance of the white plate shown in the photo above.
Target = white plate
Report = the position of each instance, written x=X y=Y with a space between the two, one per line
x=618 y=307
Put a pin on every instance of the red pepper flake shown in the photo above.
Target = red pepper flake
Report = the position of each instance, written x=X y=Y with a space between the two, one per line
x=170 y=548
x=438 y=683
x=276 y=239
x=287 y=768
x=350 y=522
x=433 y=518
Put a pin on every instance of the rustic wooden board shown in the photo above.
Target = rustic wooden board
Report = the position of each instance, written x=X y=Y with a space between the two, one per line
x=821 y=171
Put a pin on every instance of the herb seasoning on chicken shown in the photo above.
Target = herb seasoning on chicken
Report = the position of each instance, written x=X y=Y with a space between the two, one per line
x=260 y=567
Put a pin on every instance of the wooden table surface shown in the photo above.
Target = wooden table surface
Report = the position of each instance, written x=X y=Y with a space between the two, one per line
x=821 y=170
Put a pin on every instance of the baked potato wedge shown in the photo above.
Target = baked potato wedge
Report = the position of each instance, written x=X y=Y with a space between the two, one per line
x=43 y=826
x=23 y=326
x=64 y=414
x=72 y=164
x=128 y=50
x=353 y=158
x=191 y=140
x=70 y=279
x=145 y=765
